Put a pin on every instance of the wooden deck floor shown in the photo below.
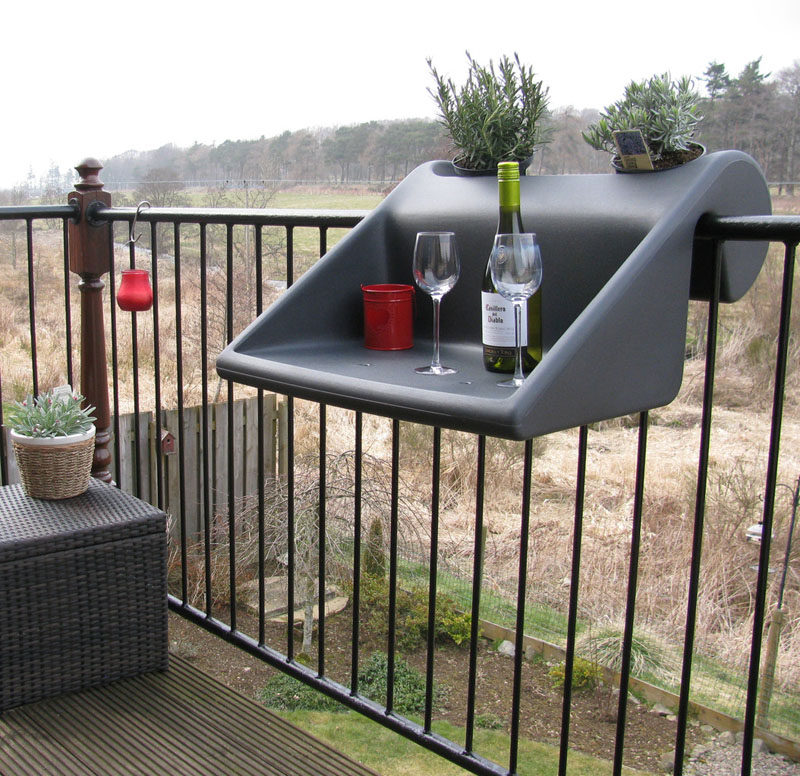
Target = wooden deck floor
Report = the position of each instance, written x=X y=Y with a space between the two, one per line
x=177 y=722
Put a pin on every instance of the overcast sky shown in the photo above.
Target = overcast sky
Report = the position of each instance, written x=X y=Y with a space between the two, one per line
x=96 y=79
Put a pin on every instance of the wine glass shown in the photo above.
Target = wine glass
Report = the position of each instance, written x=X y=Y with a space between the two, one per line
x=436 y=270
x=516 y=266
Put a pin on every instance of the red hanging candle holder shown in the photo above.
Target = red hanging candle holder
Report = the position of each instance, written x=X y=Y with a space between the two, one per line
x=135 y=294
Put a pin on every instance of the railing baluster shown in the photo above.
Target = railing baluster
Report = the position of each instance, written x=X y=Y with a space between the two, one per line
x=3 y=451
x=291 y=537
x=574 y=585
x=159 y=467
x=358 y=453
x=231 y=430
x=393 y=531
x=522 y=585
x=630 y=607
x=477 y=566
x=323 y=240
x=179 y=395
x=784 y=332
x=205 y=431
x=137 y=431
x=112 y=308
x=259 y=257
x=289 y=255
x=290 y=472
x=699 y=511
x=432 y=574
x=322 y=513
x=67 y=306
x=32 y=305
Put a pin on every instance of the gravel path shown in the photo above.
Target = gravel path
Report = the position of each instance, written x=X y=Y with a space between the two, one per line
x=722 y=756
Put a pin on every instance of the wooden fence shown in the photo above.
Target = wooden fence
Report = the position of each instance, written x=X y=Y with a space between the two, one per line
x=139 y=476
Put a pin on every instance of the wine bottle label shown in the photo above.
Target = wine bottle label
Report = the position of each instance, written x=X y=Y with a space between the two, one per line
x=498 y=321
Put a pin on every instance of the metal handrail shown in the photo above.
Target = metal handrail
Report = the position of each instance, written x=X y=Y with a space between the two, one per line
x=22 y=212
x=290 y=217
x=785 y=229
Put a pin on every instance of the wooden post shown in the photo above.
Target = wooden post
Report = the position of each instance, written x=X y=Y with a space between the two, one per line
x=768 y=670
x=90 y=252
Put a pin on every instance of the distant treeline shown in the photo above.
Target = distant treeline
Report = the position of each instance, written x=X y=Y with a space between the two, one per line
x=755 y=112
x=372 y=152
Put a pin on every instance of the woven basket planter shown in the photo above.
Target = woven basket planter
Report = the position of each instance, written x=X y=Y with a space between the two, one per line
x=54 y=468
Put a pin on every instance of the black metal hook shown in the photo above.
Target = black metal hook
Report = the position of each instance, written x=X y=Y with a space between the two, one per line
x=131 y=239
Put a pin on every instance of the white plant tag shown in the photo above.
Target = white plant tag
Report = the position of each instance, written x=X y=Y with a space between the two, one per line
x=62 y=392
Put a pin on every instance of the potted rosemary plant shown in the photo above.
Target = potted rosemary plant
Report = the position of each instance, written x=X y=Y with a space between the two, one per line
x=496 y=116
x=664 y=111
x=53 y=439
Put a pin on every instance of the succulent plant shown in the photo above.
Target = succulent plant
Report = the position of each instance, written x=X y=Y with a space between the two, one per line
x=50 y=414
x=665 y=111
x=497 y=115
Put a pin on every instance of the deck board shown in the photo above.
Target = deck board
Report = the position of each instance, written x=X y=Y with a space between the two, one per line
x=173 y=723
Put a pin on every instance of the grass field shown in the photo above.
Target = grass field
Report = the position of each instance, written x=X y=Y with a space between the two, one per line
x=332 y=200
x=391 y=755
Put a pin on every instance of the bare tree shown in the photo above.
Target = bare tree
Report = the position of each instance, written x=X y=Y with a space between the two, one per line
x=53 y=189
x=568 y=152
x=789 y=92
x=376 y=499
x=161 y=187
x=15 y=228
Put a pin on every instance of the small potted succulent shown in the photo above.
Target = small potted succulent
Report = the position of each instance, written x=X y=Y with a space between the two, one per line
x=53 y=439
x=496 y=116
x=664 y=111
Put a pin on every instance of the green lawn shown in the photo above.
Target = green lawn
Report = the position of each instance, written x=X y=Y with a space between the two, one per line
x=390 y=754
x=291 y=198
x=326 y=201
x=306 y=241
x=540 y=621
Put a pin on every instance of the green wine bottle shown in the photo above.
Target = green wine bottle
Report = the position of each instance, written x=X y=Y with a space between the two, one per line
x=497 y=313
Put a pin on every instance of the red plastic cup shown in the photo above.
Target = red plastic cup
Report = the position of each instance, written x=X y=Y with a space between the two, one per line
x=388 y=316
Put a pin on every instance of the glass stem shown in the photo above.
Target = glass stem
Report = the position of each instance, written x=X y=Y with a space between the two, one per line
x=435 y=360
x=518 y=340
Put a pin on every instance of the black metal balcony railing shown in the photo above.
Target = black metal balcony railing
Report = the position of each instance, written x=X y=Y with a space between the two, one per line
x=212 y=272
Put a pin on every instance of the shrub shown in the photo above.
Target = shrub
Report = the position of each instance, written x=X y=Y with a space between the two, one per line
x=409 y=684
x=451 y=625
x=649 y=655
x=585 y=674
x=285 y=693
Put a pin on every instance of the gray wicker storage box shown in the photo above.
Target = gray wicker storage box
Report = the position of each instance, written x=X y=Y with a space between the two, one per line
x=83 y=595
